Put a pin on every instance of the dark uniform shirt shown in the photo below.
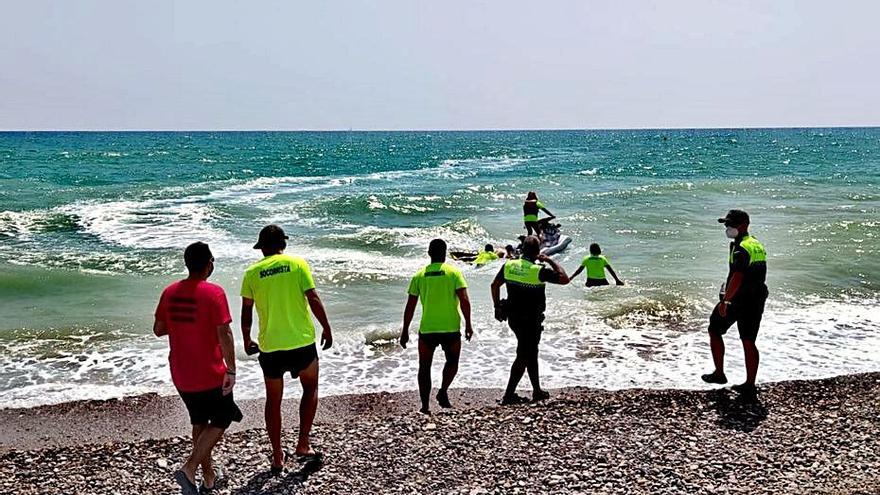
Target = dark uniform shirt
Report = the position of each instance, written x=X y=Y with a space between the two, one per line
x=527 y=301
x=753 y=286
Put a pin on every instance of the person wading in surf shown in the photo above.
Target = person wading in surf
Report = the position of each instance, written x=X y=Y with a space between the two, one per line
x=194 y=314
x=525 y=280
x=442 y=290
x=596 y=264
x=283 y=290
x=742 y=300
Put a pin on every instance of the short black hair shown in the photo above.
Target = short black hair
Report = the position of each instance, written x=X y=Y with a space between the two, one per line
x=595 y=250
x=197 y=256
x=437 y=250
x=489 y=248
x=531 y=246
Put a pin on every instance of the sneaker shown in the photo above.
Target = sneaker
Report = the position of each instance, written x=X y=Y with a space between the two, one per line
x=714 y=377
x=443 y=399
x=539 y=395
x=512 y=400
x=745 y=389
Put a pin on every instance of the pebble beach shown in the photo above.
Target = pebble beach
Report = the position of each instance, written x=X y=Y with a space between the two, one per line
x=816 y=436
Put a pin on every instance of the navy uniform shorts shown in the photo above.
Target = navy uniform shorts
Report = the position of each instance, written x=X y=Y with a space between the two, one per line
x=528 y=334
x=276 y=363
x=211 y=407
x=443 y=339
x=746 y=314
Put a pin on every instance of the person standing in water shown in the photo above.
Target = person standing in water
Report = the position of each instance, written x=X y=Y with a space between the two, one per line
x=194 y=314
x=442 y=290
x=283 y=290
x=596 y=264
x=742 y=300
x=531 y=207
x=525 y=280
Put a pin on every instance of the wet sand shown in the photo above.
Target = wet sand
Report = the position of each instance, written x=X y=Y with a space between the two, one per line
x=818 y=436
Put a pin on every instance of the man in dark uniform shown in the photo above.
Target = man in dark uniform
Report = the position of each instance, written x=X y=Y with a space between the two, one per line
x=524 y=308
x=742 y=300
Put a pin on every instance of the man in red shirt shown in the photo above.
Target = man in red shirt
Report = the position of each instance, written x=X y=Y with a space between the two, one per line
x=194 y=314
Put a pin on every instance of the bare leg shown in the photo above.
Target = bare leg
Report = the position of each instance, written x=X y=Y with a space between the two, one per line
x=208 y=437
x=534 y=376
x=308 y=406
x=450 y=369
x=752 y=360
x=207 y=464
x=516 y=373
x=426 y=357
x=716 y=342
x=274 y=394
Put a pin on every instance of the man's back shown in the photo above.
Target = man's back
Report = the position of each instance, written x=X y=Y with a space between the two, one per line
x=525 y=287
x=436 y=287
x=277 y=284
x=749 y=257
x=595 y=265
x=192 y=310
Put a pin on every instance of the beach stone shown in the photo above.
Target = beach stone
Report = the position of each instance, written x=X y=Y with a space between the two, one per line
x=628 y=441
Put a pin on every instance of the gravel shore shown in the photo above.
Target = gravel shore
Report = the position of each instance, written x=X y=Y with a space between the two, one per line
x=820 y=436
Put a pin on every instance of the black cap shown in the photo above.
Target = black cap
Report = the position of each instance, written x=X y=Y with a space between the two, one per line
x=735 y=218
x=271 y=236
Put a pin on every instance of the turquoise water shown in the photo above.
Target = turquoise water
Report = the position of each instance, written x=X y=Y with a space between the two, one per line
x=92 y=226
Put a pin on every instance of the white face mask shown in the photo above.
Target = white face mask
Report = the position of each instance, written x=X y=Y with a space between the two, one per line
x=732 y=232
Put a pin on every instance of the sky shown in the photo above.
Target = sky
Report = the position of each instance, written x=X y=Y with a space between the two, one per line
x=451 y=64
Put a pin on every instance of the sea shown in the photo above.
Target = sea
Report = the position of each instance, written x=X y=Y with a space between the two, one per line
x=93 y=226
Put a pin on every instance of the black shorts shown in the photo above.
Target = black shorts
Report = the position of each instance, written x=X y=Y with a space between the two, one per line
x=747 y=316
x=528 y=335
x=444 y=340
x=211 y=407
x=595 y=282
x=275 y=364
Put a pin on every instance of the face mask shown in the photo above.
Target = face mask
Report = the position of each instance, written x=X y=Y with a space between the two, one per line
x=732 y=232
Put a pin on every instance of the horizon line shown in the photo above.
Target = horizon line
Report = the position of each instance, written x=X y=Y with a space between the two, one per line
x=510 y=129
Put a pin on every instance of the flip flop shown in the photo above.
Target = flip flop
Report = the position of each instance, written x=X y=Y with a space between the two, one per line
x=313 y=457
x=218 y=473
x=187 y=487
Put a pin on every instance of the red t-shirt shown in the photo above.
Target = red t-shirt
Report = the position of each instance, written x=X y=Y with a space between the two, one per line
x=192 y=311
